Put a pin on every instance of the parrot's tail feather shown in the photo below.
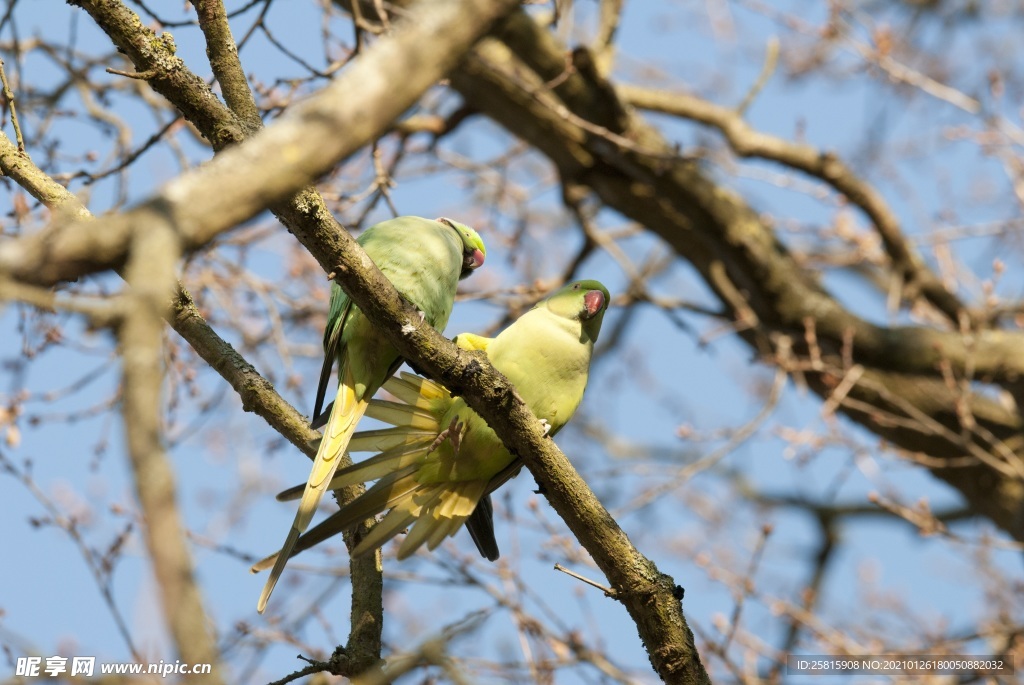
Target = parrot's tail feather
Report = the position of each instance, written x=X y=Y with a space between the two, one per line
x=414 y=390
x=380 y=466
x=480 y=525
x=385 y=493
x=414 y=428
x=402 y=414
x=264 y=563
x=438 y=510
x=451 y=515
x=388 y=527
x=439 y=533
x=441 y=511
x=386 y=438
x=279 y=561
x=349 y=408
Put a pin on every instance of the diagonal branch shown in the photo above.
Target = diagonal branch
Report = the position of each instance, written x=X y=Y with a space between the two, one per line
x=450 y=29
x=223 y=52
x=257 y=394
x=826 y=166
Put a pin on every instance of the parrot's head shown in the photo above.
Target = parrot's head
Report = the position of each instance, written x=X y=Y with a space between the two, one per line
x=473 y=249
x=585 y=301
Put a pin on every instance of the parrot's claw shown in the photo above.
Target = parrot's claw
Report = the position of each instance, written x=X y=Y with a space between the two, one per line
x=456 y=436
x=546 y=426
x=453 y=432
x=441 y=437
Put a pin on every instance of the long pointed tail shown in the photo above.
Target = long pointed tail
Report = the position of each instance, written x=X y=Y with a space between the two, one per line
x=348 y=410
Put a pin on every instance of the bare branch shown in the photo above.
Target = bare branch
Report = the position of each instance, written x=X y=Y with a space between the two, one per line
x=220 y=46
x=740 y=257
x=150 y=275
x=747 y=142
x=9 y=96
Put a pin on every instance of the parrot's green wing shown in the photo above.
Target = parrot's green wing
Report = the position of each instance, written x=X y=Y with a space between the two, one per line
x=339 y=308
x=440 y=459
x=424 y=260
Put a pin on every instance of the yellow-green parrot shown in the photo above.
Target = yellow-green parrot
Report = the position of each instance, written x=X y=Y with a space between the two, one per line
x=424 y=260
x=440 y=460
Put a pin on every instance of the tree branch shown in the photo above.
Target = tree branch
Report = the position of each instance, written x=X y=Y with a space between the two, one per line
x=305 y=213
x=223 y=54
x=826 y=166
x=150 y=275
x=752 y=272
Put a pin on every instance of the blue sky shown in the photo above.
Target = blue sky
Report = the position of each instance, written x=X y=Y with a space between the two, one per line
x=657 y=379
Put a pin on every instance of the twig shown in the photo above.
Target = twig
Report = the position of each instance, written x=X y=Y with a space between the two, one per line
x=746 y=587
x=610 y=14
x=101 y=312
x=745 y=141
x=645 y=590
x=137 y=75
x=227 y=68
x=771 y=60
x=9 y=96
x=68 y=525
x=608 y=591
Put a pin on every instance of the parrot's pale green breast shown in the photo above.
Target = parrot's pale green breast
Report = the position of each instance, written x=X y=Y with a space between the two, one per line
x=546 y=356
x=548 y=362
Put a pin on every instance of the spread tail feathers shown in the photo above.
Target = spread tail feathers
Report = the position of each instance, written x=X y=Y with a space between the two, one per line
x=435 y=510
x=348 y=410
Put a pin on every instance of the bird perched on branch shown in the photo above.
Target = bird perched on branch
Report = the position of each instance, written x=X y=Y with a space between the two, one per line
x=424 y=260
x=438 y=463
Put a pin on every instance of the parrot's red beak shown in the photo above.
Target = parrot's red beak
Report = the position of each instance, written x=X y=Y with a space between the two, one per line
x=594 y=302
x=473 y=260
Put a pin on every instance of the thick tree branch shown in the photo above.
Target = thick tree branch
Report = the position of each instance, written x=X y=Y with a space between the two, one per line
x=754 y=274
x=155 y=56
x=255 y=391
x=647 y=187
x=223 y=54
x=257 y=394
x=826 y=166
x=305 y=214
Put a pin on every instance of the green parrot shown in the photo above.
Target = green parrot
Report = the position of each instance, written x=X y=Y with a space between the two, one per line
x=424 y=260
x=438 y=463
